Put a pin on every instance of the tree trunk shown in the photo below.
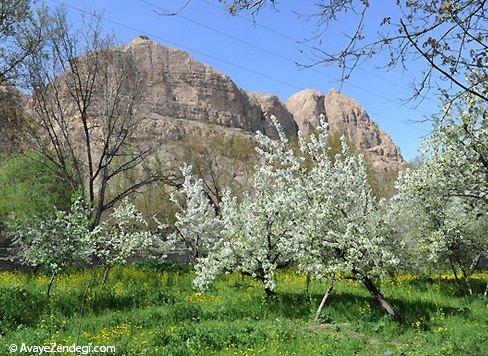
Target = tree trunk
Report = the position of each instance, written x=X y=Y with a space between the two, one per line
x=269 y=292
x=99 y=204
x=326 y=297
x=456 y=278
x=105 y=275
x=467 y=273
x=96 y=218
x=467 y=284
x=51 y=282
x=382 y=302
x=474 y=263
x=308 y=284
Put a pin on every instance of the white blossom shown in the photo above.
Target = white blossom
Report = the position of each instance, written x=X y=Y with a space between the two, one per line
x=444 y=202
x=197 y=223
x=125 y=235
x=56 y=241
x=305 y=207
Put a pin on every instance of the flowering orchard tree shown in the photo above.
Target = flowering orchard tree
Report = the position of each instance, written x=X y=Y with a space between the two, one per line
x=340 y=226
x=54 y=242
x=458 y=151
x=445 y=200
x=197 y=223
x=124 y=235
x=305 y=207
x=256 y=237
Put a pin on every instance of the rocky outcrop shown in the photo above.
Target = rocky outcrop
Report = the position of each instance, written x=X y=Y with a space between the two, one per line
x=306 y=106
x=183 y=97
x=271 y=105
x=179 y=87
x=12 y=119
x=346 y=117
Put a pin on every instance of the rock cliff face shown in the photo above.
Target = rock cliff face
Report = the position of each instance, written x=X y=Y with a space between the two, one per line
x=184 y=97
x=306 y=106
x=181 y=88
x=11 y=117
x=346 y=117
x=271 y=105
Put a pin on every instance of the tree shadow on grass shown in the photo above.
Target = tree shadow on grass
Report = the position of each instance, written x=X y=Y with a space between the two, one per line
x=346 y=306
x=447 y=287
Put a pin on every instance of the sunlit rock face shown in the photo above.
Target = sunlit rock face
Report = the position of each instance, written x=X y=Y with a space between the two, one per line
x=183 y=93
x=184 y=97
x=348 y=118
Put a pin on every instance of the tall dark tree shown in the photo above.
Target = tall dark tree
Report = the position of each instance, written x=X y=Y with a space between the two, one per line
x=87 y=115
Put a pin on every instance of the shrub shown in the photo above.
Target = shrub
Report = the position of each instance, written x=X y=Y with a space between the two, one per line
x=28 y=186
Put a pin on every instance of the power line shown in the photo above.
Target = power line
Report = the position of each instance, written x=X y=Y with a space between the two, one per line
x=297 y=41
x=139 y=31
x=274 y=54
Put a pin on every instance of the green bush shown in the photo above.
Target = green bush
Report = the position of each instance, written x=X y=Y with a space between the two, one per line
x=29 y=186
x=20 y=306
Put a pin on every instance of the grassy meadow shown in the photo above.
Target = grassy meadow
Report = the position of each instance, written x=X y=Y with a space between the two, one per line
x=154 y=310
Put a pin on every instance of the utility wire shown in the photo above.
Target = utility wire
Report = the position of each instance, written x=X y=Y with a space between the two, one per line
x=139 y=31
x=297 y=41
x=166 y=12
x=249 y=44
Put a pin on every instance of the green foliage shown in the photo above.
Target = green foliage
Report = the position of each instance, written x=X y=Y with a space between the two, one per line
x=28 y=186
x=154 y=200
x=151 y=310
x=382 y=183
x=221 y=160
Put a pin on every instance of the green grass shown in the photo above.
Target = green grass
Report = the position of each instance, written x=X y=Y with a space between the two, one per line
x=155 y=311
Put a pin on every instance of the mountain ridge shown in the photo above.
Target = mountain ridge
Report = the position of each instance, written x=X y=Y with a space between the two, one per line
x=180 y=87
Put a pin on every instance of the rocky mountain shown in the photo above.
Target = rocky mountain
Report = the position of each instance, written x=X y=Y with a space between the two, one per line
x=11 y=117
x=186 y=96
x=183 y=93
x=346 y=117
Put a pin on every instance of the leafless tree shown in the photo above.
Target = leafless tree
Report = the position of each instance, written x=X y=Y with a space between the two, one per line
x=21 y=33
x=449 y=37
x=87 y=114
x=221 y=161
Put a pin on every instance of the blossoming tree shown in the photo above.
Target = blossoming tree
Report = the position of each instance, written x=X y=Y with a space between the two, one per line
x=124 y=235
x=197 y=222
x=308 y=208
x=445 y=200
x=341 y=227
x=54 y=242
x=256 y=236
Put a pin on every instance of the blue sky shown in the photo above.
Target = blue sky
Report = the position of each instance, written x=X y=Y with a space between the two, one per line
x=258 y=57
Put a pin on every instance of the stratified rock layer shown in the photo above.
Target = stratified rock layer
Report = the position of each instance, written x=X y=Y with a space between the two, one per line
x=271 y=105
x=181 y=88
